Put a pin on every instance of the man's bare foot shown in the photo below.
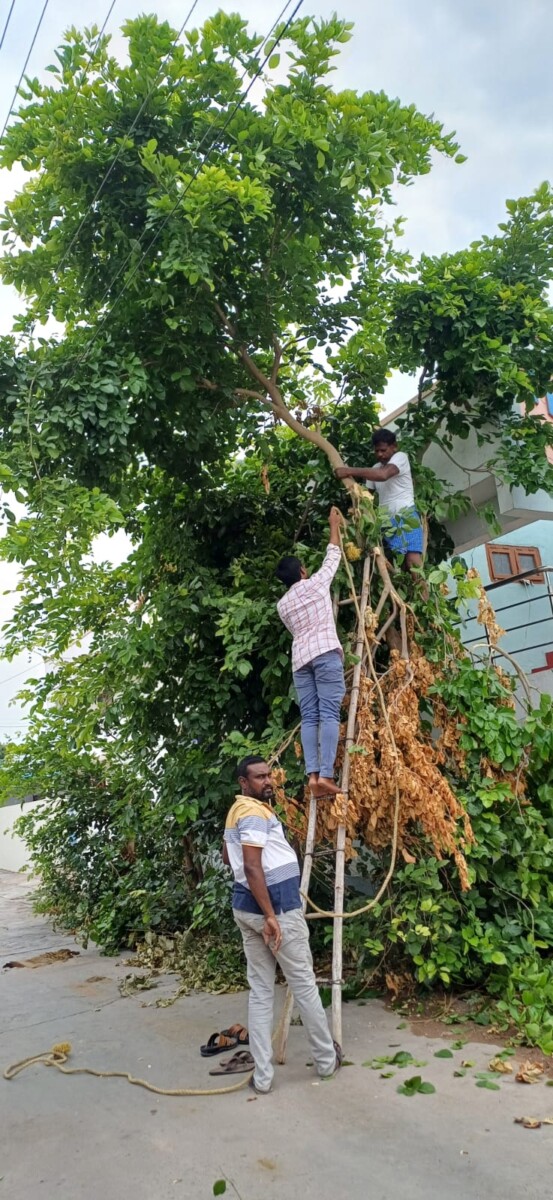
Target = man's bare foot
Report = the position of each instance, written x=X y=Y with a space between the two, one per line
x=324 y=787
x=313 y=778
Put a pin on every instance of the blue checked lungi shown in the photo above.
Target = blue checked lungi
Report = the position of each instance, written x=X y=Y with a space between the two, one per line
x=401 y=540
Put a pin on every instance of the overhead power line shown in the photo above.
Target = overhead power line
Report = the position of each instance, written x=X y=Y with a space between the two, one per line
x=25 y=64
x=130 y=131
x=8 y=19
x=25 y=671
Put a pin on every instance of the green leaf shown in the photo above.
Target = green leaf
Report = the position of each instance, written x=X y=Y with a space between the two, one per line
x=487 y=1083
x=415 y=1084
x=274 y=61
x=443 y=1054
x=219 y=1187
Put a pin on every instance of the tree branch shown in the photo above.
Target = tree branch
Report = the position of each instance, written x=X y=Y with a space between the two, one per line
x=249 y=392
x=224 y=319
x=277 y=360
x=280 y=411
x=253 y=395
x=283 y=413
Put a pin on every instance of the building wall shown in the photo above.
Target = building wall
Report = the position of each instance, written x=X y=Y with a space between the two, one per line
x=524 y=610
x=464 y=470
x=13 y=851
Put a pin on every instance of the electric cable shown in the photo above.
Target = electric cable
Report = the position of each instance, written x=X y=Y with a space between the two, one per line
x=217 y=133
x=8 y=18
x=25 y=64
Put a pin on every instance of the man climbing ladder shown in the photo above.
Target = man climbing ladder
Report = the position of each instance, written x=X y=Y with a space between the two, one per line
x=317 y=658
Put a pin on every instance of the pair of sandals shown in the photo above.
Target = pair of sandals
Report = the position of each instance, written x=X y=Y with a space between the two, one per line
x=221 y=1043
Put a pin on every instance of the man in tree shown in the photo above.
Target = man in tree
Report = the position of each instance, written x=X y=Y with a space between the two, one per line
x=267 y=908
x=393 y=482
x=317 y=658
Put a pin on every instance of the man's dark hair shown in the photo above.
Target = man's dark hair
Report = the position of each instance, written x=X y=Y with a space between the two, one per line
x=248 y=761
x=289 y=570
x=383 y=437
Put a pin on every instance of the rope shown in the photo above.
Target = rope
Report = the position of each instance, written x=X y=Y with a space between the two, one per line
x=59 y=1054
x=357 y=912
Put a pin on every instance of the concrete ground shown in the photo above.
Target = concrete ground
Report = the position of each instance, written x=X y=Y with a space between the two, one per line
x=354 y=1137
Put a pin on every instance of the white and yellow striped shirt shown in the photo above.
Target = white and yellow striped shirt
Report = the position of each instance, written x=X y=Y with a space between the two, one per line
x=250 y=822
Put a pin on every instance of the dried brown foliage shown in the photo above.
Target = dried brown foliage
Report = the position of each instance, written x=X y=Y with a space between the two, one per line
x=395 y=758
x=399 y=756
x=486 y=612
x=397 y=762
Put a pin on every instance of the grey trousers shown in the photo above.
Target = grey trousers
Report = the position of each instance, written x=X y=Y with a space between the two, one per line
x=294 y=958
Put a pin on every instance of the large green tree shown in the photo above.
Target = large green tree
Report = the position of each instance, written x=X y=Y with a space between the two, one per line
x=232 y=295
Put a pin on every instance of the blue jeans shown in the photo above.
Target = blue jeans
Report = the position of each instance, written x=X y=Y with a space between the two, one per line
x=320 y=689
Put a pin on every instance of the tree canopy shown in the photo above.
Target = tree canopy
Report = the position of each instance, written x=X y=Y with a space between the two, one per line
x=232 y=293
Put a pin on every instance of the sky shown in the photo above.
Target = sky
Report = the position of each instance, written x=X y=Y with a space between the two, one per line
x=482 y=68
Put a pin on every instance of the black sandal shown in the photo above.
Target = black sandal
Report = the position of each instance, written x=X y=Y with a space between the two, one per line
x=227 y=1039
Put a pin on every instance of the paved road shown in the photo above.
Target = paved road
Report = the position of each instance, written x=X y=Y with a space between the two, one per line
x=89 y=1139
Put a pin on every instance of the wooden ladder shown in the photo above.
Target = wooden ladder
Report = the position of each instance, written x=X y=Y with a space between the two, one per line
x=337 y=952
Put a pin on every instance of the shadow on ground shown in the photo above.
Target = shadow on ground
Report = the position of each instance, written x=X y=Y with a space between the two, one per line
x=82 y=1138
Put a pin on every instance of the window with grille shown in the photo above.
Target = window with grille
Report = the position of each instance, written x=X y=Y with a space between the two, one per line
x=506 y=561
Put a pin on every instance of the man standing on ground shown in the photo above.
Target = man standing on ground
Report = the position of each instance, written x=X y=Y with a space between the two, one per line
x=267 y=908
x=393 y=482
x=317 y=658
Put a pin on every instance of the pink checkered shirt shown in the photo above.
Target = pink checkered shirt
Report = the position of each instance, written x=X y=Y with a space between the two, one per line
x=306 y=610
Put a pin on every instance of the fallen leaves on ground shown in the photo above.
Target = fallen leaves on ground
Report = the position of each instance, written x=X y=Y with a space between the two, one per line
x=205 y=963
x=136 y=983
x=414 y=1085
x=44 y=960
x=498 y=1064
x=530 y=1072
x=533 y=1122
x=403 y=1058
